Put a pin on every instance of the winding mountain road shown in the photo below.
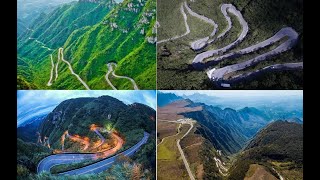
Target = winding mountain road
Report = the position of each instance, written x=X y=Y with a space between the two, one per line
x=170 y=136
x=71 y=70
x=203 y=60
x=197 y=61
x=106 y=163
x=220 y=166
x=275 y=67
x=200 y=43
x=47 y=163
x=217 y=74
x=185 y=18
x=288 y=32
x=112 y=70
x=186 y=164
x=51 y=74
x=69 y=65
x=100 y=136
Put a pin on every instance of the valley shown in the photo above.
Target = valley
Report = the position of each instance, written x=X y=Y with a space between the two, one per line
x=84 y=34
x=199 y=141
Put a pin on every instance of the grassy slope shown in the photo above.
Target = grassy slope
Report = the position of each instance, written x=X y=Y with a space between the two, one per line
x=91 y=47
x=279 y=145
x=170 y=164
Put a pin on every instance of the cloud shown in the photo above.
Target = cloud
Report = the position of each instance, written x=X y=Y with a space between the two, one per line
x=237 y=99
x=34 y=102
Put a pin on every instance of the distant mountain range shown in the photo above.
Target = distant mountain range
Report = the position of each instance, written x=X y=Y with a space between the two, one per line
x=29 y=10
x=77 y=115
x=27 y=131
x=164 y=99
x=228 y=129
x=92 y=34
x=271 y=112
x=248 y=143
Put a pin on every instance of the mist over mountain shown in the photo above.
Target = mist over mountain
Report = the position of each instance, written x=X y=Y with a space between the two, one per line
x=230 y=128
x=29 y=113
x=92 y=34
x=29 y=10
x=166 y=98
x=27 y=131
x=272 y=107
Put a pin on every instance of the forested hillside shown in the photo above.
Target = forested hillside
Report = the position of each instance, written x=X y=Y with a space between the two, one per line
x=91 y=34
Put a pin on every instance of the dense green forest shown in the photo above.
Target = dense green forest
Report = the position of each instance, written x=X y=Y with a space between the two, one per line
x=92 y=34
x=76 y=116
x=28 y=156
x=264 y=19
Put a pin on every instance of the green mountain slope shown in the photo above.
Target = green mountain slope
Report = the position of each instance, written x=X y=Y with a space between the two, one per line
x=279 y=145
x=93 y=34
x=76 y=116
x=28 y=156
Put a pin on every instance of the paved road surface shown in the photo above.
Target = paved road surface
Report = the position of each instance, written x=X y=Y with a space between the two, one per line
x=186 y=164
x=281 y=178
x=179 y=147
x=200 y=43
x=197 y=61
x=185 y=23
x=217 y=74
x=284 y=32
x=51 y=74
x=72 y=72
x=101 y=137
x=110 y=69
x=57 y=74
x=275 y=67
x=48 y=162
x=220 y=166
x=171 y=135
x=106 y=163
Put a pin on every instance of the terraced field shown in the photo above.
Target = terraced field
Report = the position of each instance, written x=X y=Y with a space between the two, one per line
x=215 y=44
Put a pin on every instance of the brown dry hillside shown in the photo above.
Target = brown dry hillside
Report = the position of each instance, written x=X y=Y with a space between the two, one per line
x=171 y=111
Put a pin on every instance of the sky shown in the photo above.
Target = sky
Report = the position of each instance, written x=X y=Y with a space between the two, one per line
x=241 y=93
x=31 y=103
x=237 y=99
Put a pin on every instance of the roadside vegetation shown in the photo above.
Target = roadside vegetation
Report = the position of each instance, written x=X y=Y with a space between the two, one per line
x=265 y=18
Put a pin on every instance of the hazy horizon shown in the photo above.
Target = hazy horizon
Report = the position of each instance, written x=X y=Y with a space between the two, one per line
x=238 y=99
x=32 y=103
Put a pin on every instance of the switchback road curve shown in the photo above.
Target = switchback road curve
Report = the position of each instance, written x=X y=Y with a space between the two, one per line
x=112 y=70
x=97 y=167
